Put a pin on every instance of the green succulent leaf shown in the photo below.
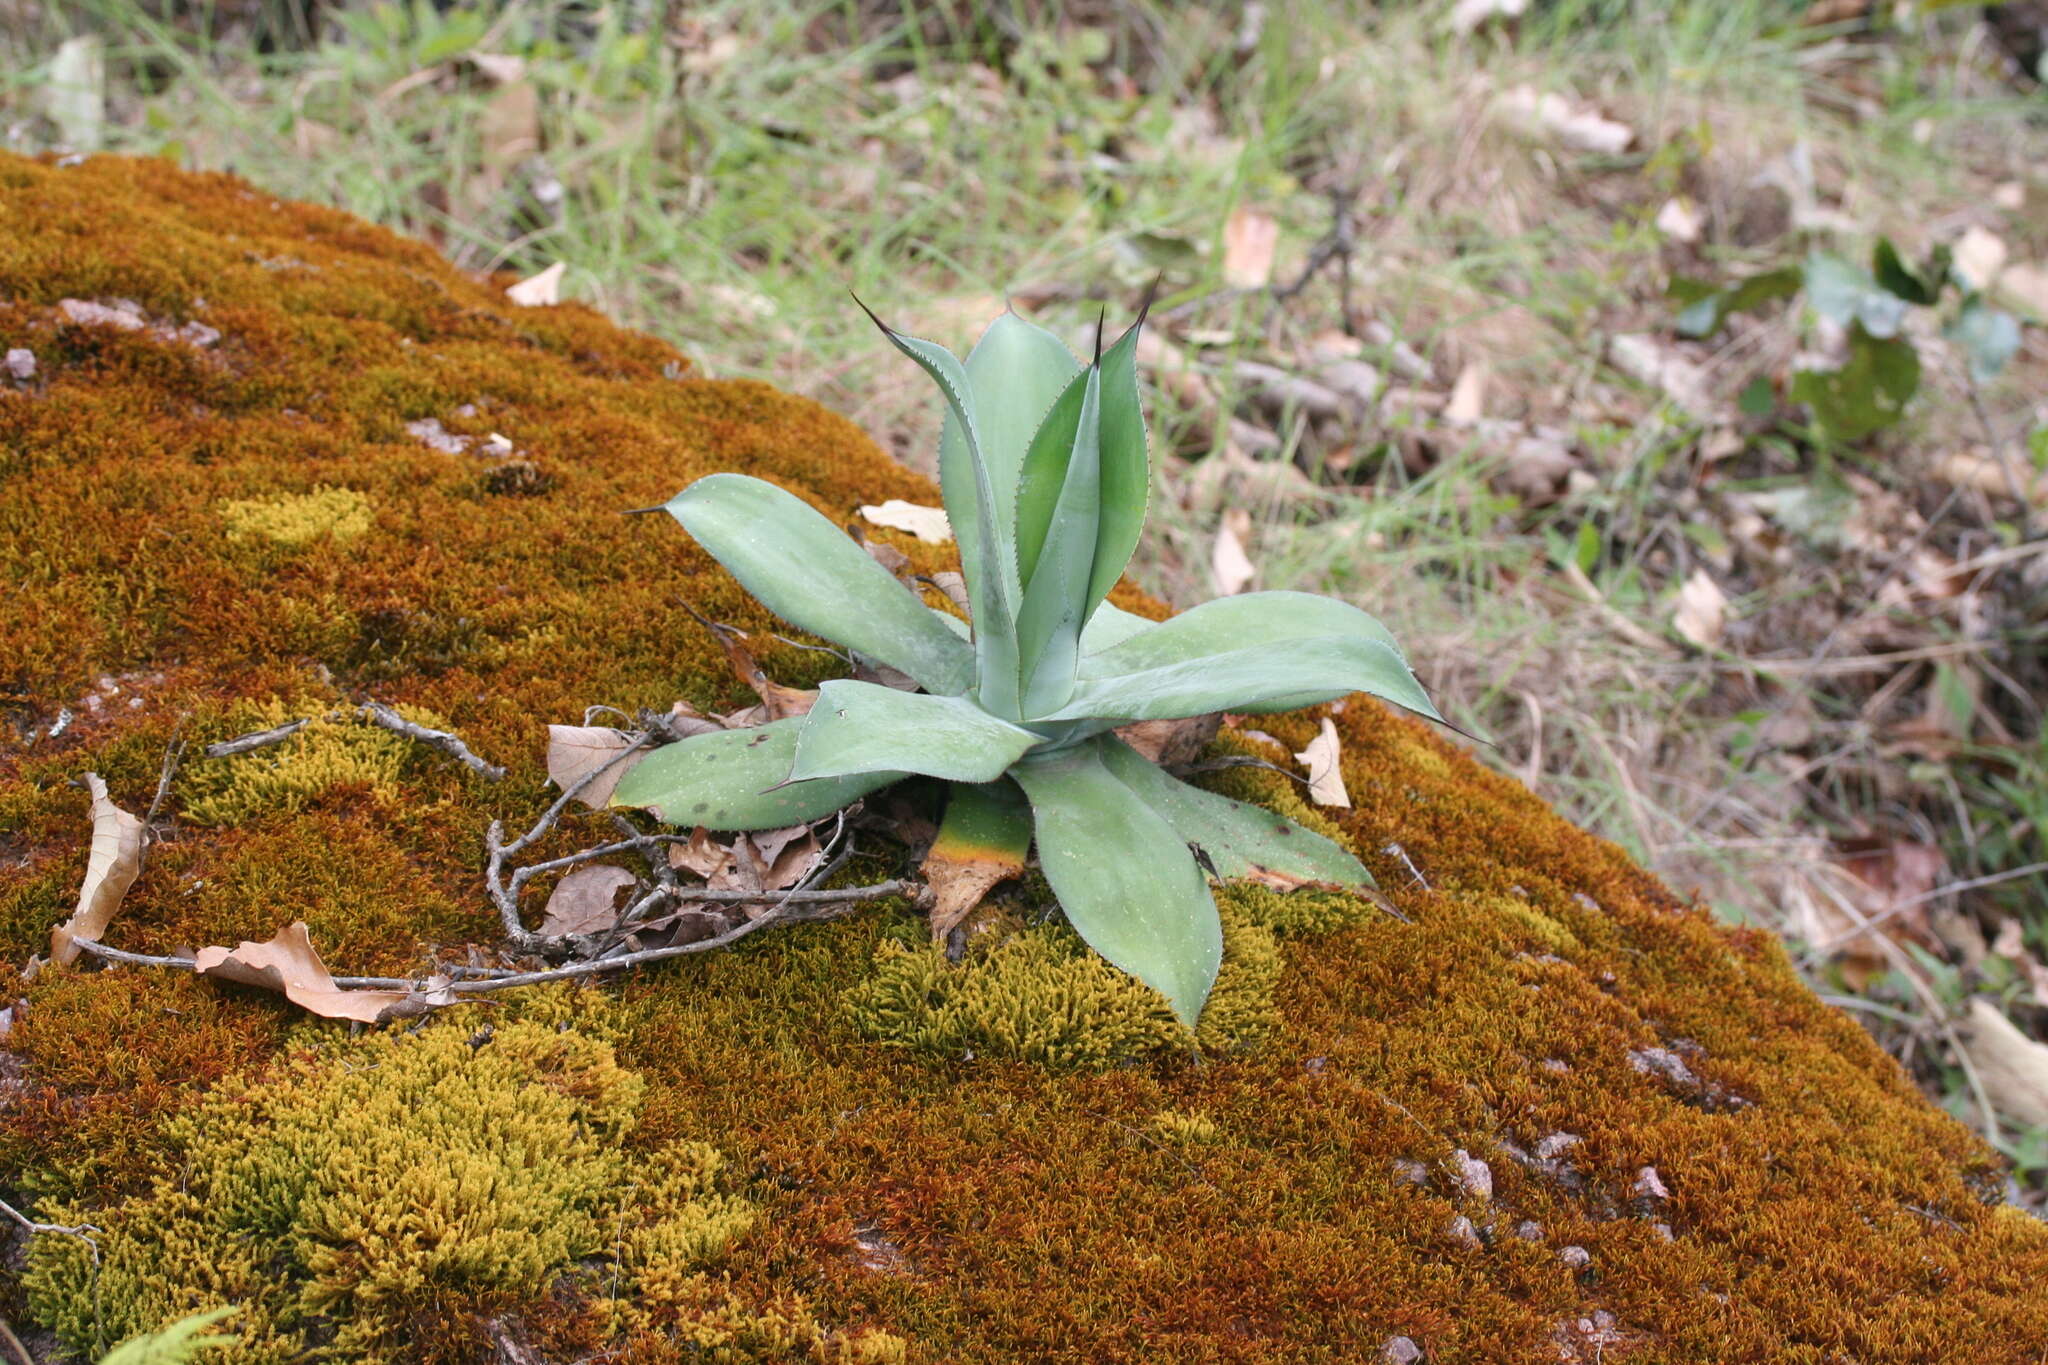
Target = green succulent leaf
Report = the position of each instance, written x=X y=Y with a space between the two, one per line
x=1123 y=876
x=987 y=557
x=1322 y=668
x=1111 y=625
x=1014 y=374
x=1046 y=462
x=987 y=822
x=1272 y=619
x=1845 y=294
x=858 y=727
x=808 y=572
x=1055 y=599
x=738 y=779
x=1126 y=466
x=1238 y=837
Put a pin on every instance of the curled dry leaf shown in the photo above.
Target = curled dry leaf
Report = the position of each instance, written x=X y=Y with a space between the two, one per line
x=1702 y=610
x=1250 y=238
x=2012 y=1066
x=1228 y=561
x=586 y=900
x=1323 y=758
x=1468 y=396
x=288 y=964
x=766 y=861
x=1980 y=256
x=928 y=524
x=537 y=291
x=575 y=751
x=1551 y=117
x=1680 y=220
x=118 y=839
x=1172 y=743
x=777 y=701
x=954 y=586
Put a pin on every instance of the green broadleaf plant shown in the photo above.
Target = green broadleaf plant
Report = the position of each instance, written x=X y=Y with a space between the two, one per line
x=1045 y=476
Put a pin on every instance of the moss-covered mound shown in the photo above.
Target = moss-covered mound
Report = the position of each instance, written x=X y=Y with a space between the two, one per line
x=263 y=461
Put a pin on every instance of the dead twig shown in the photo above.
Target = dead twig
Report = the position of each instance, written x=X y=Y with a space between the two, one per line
x=376 y=713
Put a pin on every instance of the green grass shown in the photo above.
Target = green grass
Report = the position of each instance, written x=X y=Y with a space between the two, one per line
x=726 y=184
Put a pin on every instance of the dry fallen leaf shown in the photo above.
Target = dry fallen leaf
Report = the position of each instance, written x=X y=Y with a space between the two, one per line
x=2026 y=287
x=289 y=964
x=1172 y=743
x=954 y=587
x=777 y=701
x=536 y=291
x=765 y=861
x=586 y=900
x=1228 y=561
x=1325 y=772
x=1680 y=220
x=928 y=524
x=2012 y=1066
x=1654 y=362
x=117 y=843
x=1468 y=396
x=502 y=68
x=1980 y=255
x=576 y=750
x=1468 y=15
x=1250 y=237
x=1702 y=610
x=1550 y=115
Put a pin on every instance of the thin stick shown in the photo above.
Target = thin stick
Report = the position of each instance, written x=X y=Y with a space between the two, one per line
x=256 y=739
x=82 y=1231
x=377 y=713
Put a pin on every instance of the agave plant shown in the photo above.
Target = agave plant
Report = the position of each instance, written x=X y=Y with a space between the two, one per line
x=1045 y=476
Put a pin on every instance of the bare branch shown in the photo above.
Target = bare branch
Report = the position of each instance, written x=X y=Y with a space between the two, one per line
x=377 y=713
x=256 y=739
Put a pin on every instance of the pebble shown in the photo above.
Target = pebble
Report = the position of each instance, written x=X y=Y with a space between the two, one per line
x=1400 y=1351
x=1550 y=1147
x=21 y=363
x=1474 y=1176
x=1529 y=1230
x=1463 y=1233
x=1649 y=1185
x=1577 y=1257
x=1408 y=1172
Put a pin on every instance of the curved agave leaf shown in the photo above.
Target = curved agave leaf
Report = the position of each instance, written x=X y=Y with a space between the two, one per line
x=1126 y=468
x=1060 y=533
x=1015 y=373
x=857 y=727
x=1124 y=877
x=1322 y=668
x=987 y=556
x=1275 y=619
x=1111 y=625
x=737 y=779
x=1238 y=837
x=808 y=572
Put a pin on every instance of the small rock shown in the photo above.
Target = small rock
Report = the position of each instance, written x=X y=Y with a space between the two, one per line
x=1662 y=1062
x=1577 y=1257
x=1529 y=1230
x=1400 y=1351
x=1474 y=1176
x=198 y=335
x=1550 y=1147
x=1649 y=1185
x=430 y=432
x=1556 y=1066
x=1408 y=1172
x=84 y=313
x=1663 y=1231
x=21 y=363
x=1463 y=1233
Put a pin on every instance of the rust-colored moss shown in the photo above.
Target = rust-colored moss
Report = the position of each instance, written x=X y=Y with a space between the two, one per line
x=1294 y=1202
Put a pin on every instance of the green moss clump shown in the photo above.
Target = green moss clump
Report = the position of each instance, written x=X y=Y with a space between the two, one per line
x=1042 y=996
x=1186 y=1127
x=282 y=778
x=295 y=519
x=367 y=1180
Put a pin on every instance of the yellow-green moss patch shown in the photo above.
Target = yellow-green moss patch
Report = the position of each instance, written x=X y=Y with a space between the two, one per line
x=364 y=1179
x=1041 y=996
x=295 y=519
x=278 y=779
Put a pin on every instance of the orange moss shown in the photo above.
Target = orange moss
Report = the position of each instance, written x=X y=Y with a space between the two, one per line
x=1815 y=1208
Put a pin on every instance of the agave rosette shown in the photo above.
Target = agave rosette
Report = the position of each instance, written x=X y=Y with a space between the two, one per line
x=1045 y=476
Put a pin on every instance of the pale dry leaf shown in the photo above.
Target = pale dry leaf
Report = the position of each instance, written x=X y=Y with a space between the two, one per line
x=1323 y=758
x=782 y=858
x=1701 y=612
x=1986 y=475
x=1980 y=255
x=118 y=839
x=1172 y=743
x=288 y=964
x=778 y=701
x=954 y=587
x=2010 y=195
x=538 y=291
x=959 y=886
x=2012 y=1066
x=2025 y=287
x=928 y=524
x=502 y=68
x=1228 y=560
x=1654 y=362
x=1250 y=238
x=1468 y=395
x=684 y=720
x=575 y=751
x=586 y=900
x=1680 y=220
x=1468 y=15
x=1550 y=116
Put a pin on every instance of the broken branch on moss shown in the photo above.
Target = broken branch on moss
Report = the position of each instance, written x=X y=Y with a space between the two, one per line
x=376 y=713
